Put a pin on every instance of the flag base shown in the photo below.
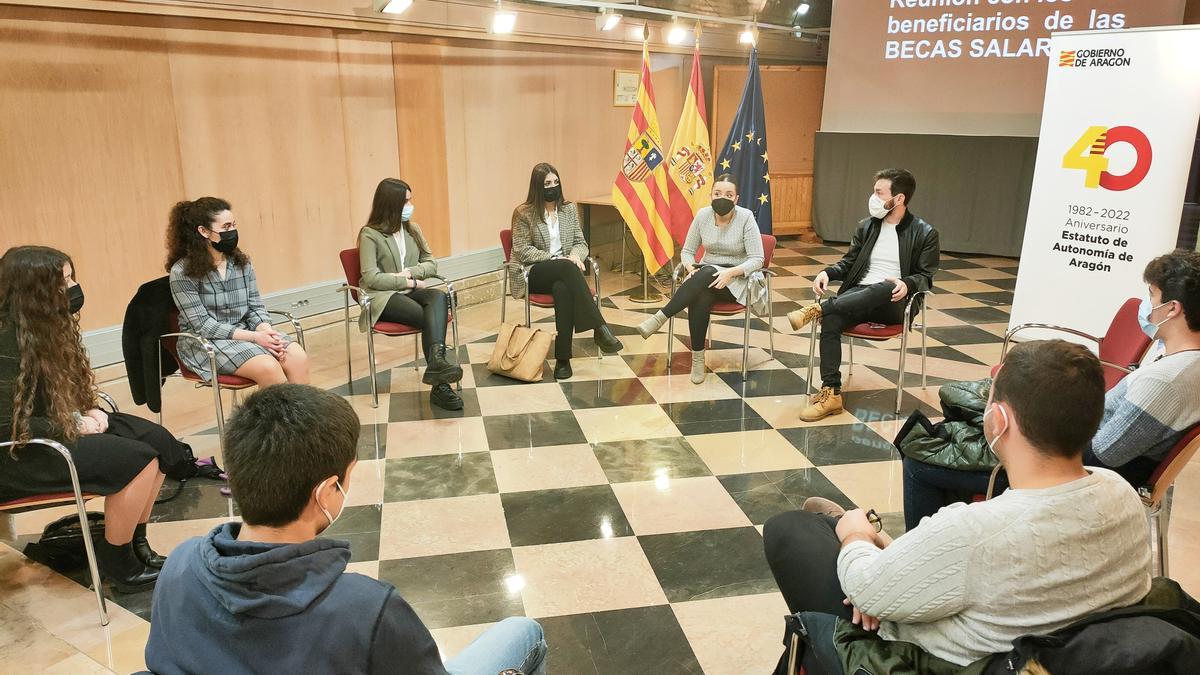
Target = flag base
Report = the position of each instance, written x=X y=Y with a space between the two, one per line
x=647 y=295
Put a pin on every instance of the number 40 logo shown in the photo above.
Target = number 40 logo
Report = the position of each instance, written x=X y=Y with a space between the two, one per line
x=1088 y=154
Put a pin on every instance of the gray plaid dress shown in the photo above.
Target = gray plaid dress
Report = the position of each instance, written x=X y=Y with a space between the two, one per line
x=214 y=308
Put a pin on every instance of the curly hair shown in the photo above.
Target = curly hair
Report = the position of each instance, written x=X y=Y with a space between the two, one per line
x=54 y=368
x=186 y=244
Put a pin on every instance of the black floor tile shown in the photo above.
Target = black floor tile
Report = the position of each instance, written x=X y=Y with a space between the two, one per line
x=1006 y=284
x=458 y=589
x=566 y=514
x=774 y=382
x=486 y=378
x=372 y=441
x=974 y=315
x=439 y=476
x=606 y=393
x=995 y=298
x=709 y=563
x=956 y=264
x=360 y=526
x=840 y=444
x=963 y=335
x=412 y=406
x=712 y=417
x=362 y=385
x=874 y=405
x=199 y=498
x=757 y=496
x=800 y=484
x=948 y=353
x=638 y=640
x=530 y=429
x=630 y=461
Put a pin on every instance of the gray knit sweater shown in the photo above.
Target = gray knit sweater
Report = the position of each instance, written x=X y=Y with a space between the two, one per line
x=971 y=578
x=738 y=244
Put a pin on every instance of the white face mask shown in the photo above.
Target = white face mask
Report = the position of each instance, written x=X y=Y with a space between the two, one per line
x=332 y=519
x=406 y=212
x=875 y=206
x=994 y=440
x=1151 y=327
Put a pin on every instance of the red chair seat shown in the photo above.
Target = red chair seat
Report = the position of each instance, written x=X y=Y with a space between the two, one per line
x=394 y=329
x=541 y=299
x=230 y=381
x=867 y=331
x=725 y=308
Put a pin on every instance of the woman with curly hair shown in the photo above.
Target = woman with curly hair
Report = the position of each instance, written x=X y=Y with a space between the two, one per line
x=47 y=390
x=213 y=284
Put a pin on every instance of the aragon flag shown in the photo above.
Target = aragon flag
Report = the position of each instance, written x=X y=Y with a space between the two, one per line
x=691 y=170
x=640 y=190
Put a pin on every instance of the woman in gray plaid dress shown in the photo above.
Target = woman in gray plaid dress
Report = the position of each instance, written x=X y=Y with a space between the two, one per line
x=213 y=284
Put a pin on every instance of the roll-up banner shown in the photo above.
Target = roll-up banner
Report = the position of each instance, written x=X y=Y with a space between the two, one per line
x=1118 y=128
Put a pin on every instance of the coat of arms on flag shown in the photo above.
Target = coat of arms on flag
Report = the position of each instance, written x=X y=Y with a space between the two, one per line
x=642 y=158
x=689 y=165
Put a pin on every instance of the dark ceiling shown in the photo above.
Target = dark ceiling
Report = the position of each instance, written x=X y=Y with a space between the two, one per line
x=782 y=12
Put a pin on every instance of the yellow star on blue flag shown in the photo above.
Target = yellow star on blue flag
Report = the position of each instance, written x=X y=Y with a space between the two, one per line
x=750 y=170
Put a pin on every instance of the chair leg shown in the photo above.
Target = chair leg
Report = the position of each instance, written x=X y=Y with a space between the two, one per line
x=770 y=317
x=503 y=294
x=924 y=324
x=812 y=354
x=349 y=367
x=88 y=546
x=417 y=352
x=745 y=345
x=220 y=410
x=1164 y=525
x=160 y=384
x=371 y=362
x=454 y=330
x=900 y=377
x=528 y=316
x=851 y=370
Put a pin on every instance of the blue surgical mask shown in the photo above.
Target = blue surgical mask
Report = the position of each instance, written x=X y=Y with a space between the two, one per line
x=1148 y=326
x=406 y=213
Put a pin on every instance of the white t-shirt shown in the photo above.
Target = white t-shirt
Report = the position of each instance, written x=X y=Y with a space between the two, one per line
x=551 y=220
x=398 y=235
x=885 y=257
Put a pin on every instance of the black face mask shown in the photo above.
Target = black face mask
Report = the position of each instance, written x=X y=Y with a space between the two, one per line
x=75 y=298
x=229 y=242
x=551 y=194
x=722 y=206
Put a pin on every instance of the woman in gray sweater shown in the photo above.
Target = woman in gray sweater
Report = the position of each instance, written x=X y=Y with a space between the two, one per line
x=732 y=251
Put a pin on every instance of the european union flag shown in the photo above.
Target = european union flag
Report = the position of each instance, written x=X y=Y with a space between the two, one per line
x=745 y=153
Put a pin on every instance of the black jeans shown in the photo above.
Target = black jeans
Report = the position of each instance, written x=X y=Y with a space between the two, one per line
x=802 y=549
x=695 y=295
x=424 y=308
x=574 y=309
x=851 y=307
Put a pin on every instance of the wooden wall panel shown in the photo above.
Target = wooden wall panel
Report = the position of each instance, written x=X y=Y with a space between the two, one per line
x=368 y=97
x=90 y=163
x=421 y=133
x=792 y=97
x=791 y=210
x=260 y=124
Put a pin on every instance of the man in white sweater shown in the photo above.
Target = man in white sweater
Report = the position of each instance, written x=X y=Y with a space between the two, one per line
x=1062 y=543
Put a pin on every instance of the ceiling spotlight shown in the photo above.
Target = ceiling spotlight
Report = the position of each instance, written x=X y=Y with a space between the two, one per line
x=802 y=9
x=502 y=21
x=394 y=6
x=606 y=21
x=676 y=34
x=746 y=37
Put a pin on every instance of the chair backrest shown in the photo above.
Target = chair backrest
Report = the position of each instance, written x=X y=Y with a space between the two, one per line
x=351 y=266
x=1125 y=343
x=1169 y=468
x=768 y=244
x=506 y=244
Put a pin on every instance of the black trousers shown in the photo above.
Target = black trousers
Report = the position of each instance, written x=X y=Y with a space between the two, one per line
x=695 y=295
x=851 y=307
x=802 y=550
x=424 y=308
x=574 y=309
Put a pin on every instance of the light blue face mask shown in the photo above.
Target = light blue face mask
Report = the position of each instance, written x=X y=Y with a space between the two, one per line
x=1148 y=326
x=406 y=213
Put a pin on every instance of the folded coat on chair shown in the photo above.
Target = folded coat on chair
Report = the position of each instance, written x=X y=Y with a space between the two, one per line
x=147 y=317
x=956 y=442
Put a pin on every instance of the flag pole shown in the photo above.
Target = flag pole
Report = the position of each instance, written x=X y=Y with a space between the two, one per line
x=646 y=297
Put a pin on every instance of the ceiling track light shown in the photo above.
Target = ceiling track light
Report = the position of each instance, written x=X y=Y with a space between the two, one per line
x=607 y=20
x=677 y=33
x=503 y=22
x=802 y=9
x=748 y=36
x=392 y=6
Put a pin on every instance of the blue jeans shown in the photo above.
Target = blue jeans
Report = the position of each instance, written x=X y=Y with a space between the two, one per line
x=515 y=642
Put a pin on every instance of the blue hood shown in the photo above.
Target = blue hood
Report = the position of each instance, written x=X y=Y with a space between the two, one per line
x=266 y=580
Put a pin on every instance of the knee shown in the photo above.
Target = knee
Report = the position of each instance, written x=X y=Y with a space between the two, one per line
x=263 y=370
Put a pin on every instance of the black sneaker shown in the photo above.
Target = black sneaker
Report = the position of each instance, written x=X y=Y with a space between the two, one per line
x=444 y=397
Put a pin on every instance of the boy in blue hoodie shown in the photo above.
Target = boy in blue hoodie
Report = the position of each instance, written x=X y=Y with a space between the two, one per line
x=270 y=595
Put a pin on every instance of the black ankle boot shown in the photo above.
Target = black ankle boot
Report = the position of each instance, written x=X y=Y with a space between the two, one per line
x=439 y=370
x=141 y=548
x=562 y=369
x=606 y=341
x=444 y=397
x=121 y=567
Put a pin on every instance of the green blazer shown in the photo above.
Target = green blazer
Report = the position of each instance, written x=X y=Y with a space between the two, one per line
x=379 y=263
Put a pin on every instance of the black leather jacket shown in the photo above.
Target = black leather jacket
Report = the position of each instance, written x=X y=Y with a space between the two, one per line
x=920 y=254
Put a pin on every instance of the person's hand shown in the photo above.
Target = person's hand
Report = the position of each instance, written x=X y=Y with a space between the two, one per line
x=264 y=328
x=420 y=283
x=575 y=259
x=690 y=269
x=860 y=618
x=101 y=418
x=88 y=426
x=821 y=284
x=901 y=290
x=855 y=523
x=723 y=278
x=405 y=274
x=270 y=340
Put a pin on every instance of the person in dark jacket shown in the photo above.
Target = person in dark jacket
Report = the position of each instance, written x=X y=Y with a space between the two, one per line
x=893 y=255
x=271 y=595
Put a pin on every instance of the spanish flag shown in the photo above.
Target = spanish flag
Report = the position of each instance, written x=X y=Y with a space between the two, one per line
x=640 y=190
x=691 y=170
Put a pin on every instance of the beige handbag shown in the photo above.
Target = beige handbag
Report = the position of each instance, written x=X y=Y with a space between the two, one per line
x=520 y=352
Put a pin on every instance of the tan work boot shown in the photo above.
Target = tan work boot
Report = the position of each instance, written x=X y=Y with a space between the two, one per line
x=822 y=404
x=804 y=316
x=822 y=505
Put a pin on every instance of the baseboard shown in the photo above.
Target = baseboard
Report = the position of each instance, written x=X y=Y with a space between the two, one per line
x=104 y=344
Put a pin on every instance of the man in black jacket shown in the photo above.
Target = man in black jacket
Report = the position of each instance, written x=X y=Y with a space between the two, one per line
x=894 y=254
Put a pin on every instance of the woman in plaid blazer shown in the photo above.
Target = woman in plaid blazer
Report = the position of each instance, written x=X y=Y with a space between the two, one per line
x=213 y=285
x=548 y=239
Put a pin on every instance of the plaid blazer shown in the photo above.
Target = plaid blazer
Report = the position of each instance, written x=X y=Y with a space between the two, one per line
x=531 y=240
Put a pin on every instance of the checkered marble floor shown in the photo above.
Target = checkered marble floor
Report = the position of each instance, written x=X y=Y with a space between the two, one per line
x=623 y=508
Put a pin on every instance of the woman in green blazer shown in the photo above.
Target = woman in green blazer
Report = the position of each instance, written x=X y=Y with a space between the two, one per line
x=396 y=266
